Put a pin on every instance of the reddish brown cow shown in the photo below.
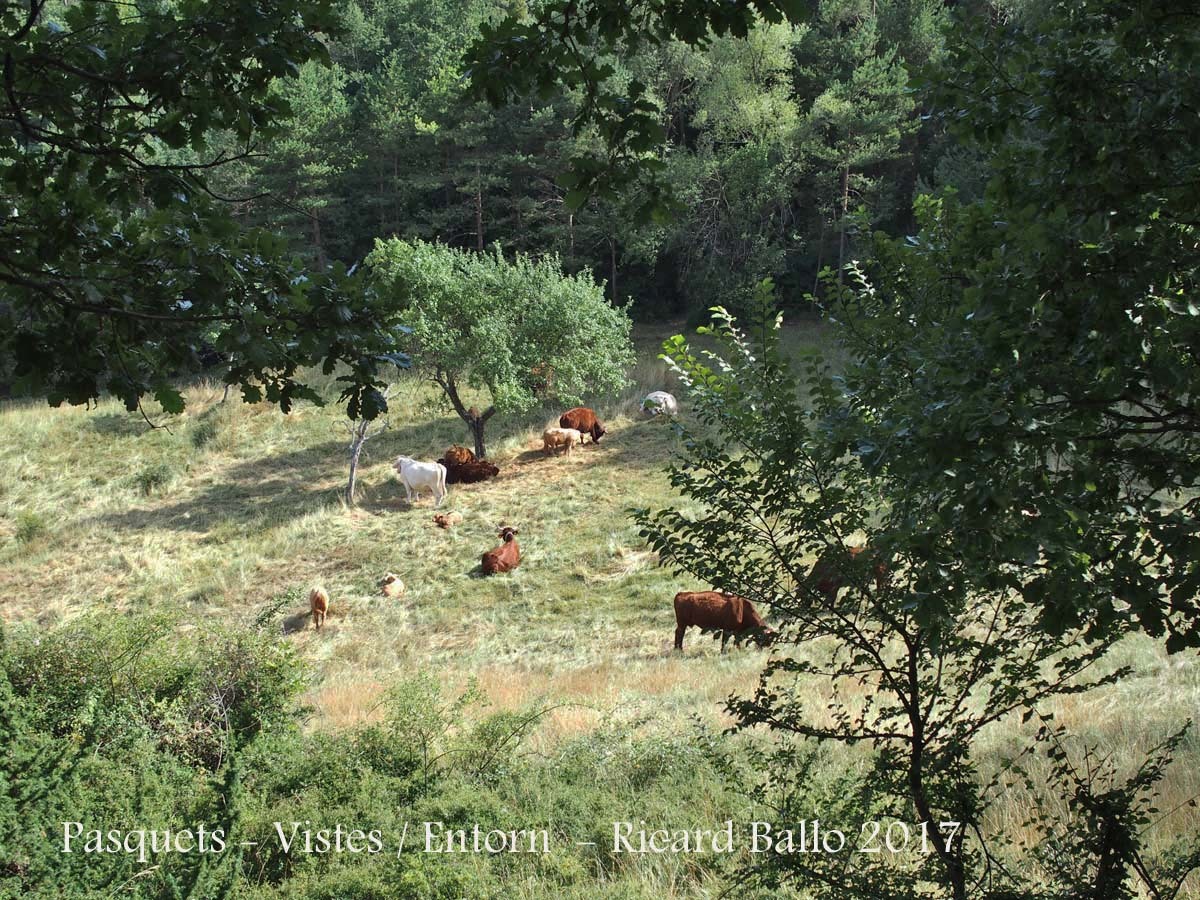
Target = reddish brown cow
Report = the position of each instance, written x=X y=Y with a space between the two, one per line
x=318 y=604
x=717 y=611
x=463 y=468
x=584 y=421
x=829 y=576
x=457 y=455
x=504 y=558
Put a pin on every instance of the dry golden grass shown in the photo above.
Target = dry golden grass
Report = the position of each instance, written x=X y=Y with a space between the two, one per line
x=237 y=509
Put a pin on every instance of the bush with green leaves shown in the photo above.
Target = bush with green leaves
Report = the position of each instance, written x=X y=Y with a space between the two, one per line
x=916 y=656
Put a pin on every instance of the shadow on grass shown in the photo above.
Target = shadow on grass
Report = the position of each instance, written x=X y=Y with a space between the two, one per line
x=294 y=623
x=119 y=424
x=273 y=490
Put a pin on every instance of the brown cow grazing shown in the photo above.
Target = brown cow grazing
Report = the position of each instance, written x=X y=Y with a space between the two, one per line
x=463 y=468
x=828 y=576
x=445 y=520
x=504 y=558
x=318 y=604
x=717 y=611
x=584 y=421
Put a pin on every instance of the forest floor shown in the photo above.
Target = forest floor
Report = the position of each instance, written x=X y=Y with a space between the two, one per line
x=236 y=511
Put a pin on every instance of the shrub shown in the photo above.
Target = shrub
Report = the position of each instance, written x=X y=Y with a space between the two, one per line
x=153 y=477
x=30 y=526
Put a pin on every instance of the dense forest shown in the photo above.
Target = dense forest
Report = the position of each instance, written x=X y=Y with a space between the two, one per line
x=780 y=149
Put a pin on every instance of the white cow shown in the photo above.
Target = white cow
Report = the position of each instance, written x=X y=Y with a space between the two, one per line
x=660 y=403
x=416 y=475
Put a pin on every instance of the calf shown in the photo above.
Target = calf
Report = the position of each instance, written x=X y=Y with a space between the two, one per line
x=717 y=611
x=391 y=586
x=318 y=605
x=445 y=520
x=554 y=438
x=417 y=475
x=504 y=558
x=830 y=572
x=584 y=421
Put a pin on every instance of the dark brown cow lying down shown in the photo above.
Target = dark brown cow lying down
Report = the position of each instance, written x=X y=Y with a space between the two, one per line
x=463 y=468
x=715 y=611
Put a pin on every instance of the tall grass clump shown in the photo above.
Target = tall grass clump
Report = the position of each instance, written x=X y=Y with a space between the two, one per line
x=29 y=526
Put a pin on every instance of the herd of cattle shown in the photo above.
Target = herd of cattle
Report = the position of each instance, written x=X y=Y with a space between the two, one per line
x=710 y=611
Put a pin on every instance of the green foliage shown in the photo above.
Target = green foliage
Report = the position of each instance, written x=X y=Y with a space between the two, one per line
x=154 y=477
x=117 y=261
x=1028 y=359
x=918 y=651
x=522 y=331
x=114 y=723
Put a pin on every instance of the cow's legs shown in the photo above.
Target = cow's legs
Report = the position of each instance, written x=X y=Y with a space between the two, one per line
x=679 y=630
x=724 y=638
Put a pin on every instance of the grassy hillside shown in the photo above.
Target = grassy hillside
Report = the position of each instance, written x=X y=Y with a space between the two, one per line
x=235 y=512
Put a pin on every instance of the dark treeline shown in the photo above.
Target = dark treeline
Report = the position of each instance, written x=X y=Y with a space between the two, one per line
x=781 y=147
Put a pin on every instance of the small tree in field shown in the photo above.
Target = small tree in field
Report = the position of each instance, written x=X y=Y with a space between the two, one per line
x=906 y=660
x=522 y=331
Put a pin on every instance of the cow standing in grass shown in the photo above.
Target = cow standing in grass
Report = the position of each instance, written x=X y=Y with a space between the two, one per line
x=417 y=475
x=555 y=438
x=717 y=611
x=830 y=573
x=318 y=605
x=584 y=421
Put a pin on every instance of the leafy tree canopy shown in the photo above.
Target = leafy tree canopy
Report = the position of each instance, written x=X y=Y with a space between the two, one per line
x=118 y=265
x=574 y=44
x=1029 y=361
x=522 y=331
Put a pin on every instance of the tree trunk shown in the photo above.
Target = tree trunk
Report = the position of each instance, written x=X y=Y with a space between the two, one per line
x=477 y=432
x=845 y=210
x=316 y=223
x=612 y=255
x=820 y=256
x=360 y=437
x=474 y=418
x=478 y=209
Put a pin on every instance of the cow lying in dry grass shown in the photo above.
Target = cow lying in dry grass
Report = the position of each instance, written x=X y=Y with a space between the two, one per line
x=318 y=605
x=716 y=611
x=504 y=558
x=391 y=586
x=463 y=468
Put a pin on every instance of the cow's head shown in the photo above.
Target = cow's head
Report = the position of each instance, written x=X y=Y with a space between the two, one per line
x=507 y=533
x=402 y=461
x=598 y=432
